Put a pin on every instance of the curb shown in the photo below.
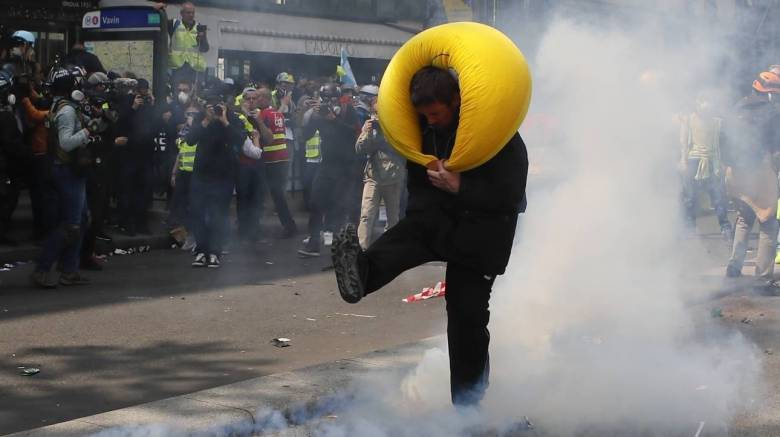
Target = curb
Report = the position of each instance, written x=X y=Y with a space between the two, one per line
x=234 y=409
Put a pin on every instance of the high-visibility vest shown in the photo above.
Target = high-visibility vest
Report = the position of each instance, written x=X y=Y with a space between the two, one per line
x=248 y=127
x=277 y=150
x=313 y=153
x=185 y=49
x=186 y=155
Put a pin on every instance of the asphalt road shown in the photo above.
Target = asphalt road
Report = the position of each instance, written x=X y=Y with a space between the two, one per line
x=150 y=327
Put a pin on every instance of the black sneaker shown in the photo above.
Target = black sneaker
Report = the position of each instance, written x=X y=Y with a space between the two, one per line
x=213 y=261
x=733 y=272
x=345 y=251
x=73 y=278
x=200 y=260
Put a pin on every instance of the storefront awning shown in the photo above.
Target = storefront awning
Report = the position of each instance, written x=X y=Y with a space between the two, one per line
x=276 y=33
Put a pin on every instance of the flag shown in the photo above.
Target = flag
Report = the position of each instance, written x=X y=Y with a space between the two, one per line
x=344 y=71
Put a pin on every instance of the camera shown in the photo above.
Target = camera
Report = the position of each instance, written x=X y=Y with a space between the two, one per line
x=201 y=28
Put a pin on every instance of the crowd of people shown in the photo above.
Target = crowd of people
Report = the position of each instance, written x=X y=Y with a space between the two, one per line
x=95 y=148
x=732 y=153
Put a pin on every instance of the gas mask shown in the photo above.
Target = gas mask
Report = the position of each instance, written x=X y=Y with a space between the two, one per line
x=183 y=98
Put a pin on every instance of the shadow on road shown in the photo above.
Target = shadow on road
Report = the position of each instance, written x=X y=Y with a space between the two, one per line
x=160 y=273
x=49 y=397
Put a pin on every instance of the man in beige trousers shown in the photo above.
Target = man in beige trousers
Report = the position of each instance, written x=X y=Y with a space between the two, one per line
x=384 y=174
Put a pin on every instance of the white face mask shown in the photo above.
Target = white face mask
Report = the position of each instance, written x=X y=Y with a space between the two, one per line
x=11 y=99
x=183 y=97
x=77 y=95
x=17 y=51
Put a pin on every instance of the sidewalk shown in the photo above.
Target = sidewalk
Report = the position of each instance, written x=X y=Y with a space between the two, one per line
x=234 y=409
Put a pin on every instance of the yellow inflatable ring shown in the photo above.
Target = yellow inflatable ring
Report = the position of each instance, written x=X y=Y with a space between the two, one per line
x=495 y=89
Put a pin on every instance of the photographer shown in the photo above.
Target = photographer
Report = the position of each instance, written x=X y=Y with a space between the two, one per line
x=68 y=140
x=218 y=136
x=188 y=45
x=101 y=119
x=42 y=194
x=337 y=123
x=136 y=162
x=384 y=172
x=250 y=184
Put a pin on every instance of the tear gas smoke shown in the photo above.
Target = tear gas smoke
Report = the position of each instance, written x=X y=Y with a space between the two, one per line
x=590 y=330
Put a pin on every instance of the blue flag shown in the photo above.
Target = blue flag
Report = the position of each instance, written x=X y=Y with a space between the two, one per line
x=345 y=71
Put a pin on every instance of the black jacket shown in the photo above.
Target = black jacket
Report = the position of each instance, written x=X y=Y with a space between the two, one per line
x=11 y=144
x=476 y=227
x=337 y=141
x=216 y=157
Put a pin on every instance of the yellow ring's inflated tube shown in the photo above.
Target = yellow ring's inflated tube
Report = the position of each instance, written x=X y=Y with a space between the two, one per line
x=495 y=89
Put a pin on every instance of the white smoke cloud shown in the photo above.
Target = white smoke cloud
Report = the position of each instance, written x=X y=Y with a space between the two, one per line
x=590 y=330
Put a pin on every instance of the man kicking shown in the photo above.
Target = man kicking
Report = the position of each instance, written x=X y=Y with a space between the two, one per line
x=467 y=219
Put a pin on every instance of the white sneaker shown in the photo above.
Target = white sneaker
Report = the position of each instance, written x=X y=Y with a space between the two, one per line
x=213 y=261
x=200 y=260
x=306 y=240
x=327 y=238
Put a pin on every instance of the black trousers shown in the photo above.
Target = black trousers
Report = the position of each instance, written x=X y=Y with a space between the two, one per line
x=135 y=189
x=417 y=240
x=326 y=207
x=97 y=203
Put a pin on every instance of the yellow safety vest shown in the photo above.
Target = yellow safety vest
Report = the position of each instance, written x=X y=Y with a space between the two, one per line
x=313 y=147
x=248 y=127
x=184 y=48
x=186 y=155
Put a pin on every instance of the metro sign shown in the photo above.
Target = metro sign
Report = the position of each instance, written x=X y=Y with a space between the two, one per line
x=122 y=18
x=91 y=20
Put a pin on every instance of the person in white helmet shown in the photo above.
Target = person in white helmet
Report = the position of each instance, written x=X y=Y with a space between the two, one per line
x=22 y=54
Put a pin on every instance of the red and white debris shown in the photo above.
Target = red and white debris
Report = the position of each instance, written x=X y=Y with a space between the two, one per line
x=438 y=290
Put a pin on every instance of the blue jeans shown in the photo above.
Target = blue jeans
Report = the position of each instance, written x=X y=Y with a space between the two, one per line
x=64 y=242
x=250 y=187
x=210 y=203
